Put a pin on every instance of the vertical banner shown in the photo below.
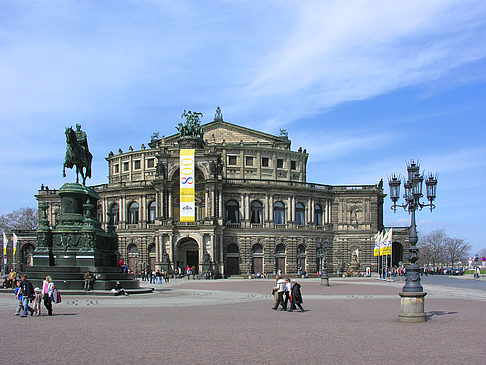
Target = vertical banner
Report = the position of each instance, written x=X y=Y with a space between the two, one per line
x=5 y=242
x=14 y=241
x=388 y=242
x=376 y=251
x=382 y=243
x=187 y=184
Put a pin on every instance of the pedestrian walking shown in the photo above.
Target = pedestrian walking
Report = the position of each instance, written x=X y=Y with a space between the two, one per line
x=37 y=301
x=47 y=290
x=27 y=294
x=280 y=287
x=288 y=289
x=18 y=295
x=295 y=297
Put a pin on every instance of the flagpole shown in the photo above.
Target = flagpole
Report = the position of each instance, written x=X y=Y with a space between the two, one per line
x=391 y=256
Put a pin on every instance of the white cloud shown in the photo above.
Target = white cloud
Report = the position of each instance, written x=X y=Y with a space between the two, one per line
x=342 y=51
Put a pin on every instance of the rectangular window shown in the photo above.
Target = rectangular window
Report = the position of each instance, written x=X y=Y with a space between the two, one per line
x=293 y=165
x=231 y=160
x=264 y=161
x=116 y=168
x=125 y=166
x=150 y=163
x=249 y=161
x=136 y=165
x=279 y=163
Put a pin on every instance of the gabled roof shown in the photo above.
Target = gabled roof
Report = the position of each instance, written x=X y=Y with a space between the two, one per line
x=218 y=131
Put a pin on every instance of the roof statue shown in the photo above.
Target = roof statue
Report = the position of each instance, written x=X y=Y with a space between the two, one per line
x=192 y=127
x=218 y=116
x=77 y=153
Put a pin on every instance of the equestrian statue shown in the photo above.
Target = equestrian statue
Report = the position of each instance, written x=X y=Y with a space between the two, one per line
x=77 y=153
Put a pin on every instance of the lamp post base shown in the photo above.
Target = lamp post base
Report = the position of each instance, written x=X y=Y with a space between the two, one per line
x=412 y=307
x=325 y=281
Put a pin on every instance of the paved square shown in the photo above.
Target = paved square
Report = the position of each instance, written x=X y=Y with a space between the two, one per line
x=231 y=321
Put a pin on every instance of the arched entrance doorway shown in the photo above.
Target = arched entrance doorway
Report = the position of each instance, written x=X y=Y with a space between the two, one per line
x=397 y=253
x=257 y=261
x=280 y=259
x=301 y=259
x=152 y=257
x=188 y=254
x=132 y=257
x=27 y=256
x=232 y=260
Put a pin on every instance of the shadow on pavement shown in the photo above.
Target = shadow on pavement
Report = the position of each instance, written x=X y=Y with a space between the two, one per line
x=438 y=313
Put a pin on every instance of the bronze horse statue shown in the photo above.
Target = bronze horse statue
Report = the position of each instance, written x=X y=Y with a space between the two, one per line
x=76 y=155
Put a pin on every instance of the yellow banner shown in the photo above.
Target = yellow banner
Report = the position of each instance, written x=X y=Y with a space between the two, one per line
x=376 y=251
x=186 y=184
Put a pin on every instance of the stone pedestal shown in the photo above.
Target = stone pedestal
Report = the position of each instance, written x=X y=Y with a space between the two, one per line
x=412 y=307
x=77 y=244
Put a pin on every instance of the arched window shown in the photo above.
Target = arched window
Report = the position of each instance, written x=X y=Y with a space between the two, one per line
x=300 y=250
x=133 y=213
x=232 y=248
x=151 y=212
x=116 y=213
x=257 y=248
x=57 y=213
x=99 y=213
x=280 y=249
x=279 y=213
x=299 y=214
x=318 y=215
x=256 y=212
x=232 y=212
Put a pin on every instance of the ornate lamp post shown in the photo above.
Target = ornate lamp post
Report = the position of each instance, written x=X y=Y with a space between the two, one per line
x=412 y=295
x=323 y=262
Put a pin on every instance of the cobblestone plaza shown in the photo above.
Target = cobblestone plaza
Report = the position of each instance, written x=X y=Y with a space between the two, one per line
x=231 y=321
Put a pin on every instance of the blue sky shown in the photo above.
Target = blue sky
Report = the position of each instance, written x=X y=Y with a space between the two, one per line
x=364 y=86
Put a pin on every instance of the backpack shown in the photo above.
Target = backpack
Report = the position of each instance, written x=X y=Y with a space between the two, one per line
x=56 y=296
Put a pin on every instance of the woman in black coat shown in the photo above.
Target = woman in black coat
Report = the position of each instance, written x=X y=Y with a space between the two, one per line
x=296 y=297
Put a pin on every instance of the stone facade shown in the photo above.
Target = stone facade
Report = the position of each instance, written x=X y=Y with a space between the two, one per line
x=255 y=211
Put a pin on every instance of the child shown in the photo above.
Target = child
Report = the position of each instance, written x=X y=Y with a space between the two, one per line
x=18 y=295
x=37 y=301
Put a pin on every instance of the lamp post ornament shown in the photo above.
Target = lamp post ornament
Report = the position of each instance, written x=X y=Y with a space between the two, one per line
x=412 y=195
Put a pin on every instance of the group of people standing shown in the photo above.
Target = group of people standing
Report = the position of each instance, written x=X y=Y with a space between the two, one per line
x=25 y=294
x=155 y=277
x=286 y=290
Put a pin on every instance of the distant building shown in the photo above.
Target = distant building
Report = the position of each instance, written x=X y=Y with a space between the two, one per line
x=255 y=211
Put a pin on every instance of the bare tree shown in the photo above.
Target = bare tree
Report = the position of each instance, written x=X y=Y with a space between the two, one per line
x=456 y=249
x=24 y=218
x=432 y=247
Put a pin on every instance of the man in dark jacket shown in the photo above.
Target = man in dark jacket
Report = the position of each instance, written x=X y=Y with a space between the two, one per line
x=27 y=294
x=296 y=296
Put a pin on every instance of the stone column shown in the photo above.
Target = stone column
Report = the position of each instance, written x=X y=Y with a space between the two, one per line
x=247 y=207
x=221 y=204
x=170 y=203
x=270 y=209
x=206 y=205
x=143 y=210
x=311 y=210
